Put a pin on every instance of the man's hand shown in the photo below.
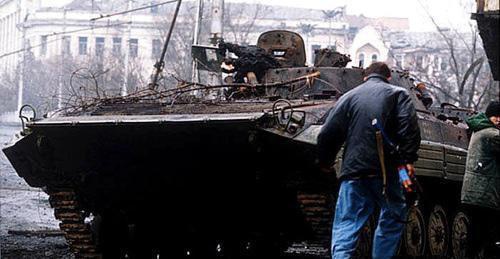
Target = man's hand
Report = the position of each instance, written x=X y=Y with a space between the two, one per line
x=411 y=170
x=327 y=168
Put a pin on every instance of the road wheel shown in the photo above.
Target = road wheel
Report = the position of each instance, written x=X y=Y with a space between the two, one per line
x=438 y=231
x=460 y=234
x=414 y=234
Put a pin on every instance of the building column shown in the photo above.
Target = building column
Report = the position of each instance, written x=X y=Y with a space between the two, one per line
x=1 y=36
x=402 y=61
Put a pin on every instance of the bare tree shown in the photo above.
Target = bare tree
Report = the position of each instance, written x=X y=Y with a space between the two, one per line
x=307 y=29
x=330 y=16
x=8 y=88
x=178 y=56
x=83 y=79
x=239 y=20
x=239 y=23
x=463 y=81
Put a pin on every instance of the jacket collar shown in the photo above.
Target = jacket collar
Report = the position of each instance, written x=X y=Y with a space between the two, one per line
x=378 y=76
x=479 y=122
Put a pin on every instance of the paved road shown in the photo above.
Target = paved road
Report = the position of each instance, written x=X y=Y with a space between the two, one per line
x=25 y=211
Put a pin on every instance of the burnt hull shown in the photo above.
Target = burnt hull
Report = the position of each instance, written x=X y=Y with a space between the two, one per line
x=125 y=164
x=199 y=177
x=176 y=179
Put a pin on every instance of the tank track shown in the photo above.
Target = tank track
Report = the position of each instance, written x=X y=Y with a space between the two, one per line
x=77 y=233
x=317 y=210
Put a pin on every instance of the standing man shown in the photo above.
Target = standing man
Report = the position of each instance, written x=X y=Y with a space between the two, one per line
x=481 y=185
x=361 y=181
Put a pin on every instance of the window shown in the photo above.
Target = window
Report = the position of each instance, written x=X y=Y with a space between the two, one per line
x=361 y=59
x=133 y=47
x=156 y=50
x=99 y=46
x=66 y=45
x=43 y=45
x=154 y=8
x=117 y=46
x=82 y=45
x=444 y=66
x=374 y=58
x=420 y=61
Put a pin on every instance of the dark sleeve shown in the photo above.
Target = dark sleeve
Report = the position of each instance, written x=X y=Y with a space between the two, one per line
x=333 y=133
x=426 y=99
x=408 y=132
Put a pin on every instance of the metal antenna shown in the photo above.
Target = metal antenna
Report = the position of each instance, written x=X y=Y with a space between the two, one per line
x=160 y=63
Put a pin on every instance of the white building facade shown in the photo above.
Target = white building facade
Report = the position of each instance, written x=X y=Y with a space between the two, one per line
x=63 y=28
x=368 y=47
x=56 y=29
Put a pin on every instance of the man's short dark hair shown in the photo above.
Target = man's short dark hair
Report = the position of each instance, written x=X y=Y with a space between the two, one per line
x=379 y=68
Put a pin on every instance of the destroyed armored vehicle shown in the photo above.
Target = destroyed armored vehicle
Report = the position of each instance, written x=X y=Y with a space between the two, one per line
x=229 y=177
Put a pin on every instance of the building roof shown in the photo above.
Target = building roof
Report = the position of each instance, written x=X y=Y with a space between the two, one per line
x=368 y=35
x=270 y=12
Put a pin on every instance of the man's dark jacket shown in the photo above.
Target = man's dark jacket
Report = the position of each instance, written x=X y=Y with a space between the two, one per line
x=351 y=121
x=481 y=185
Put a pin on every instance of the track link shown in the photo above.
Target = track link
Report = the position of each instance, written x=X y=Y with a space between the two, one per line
x=77 y=233
x=318 y=213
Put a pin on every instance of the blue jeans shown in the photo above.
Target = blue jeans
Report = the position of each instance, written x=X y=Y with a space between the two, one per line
x=356 y=202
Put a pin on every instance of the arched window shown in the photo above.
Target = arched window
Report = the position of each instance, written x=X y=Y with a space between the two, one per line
x=361 y=59
x=374 y=58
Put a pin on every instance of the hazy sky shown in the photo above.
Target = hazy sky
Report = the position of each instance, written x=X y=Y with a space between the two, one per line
x=448 y=13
